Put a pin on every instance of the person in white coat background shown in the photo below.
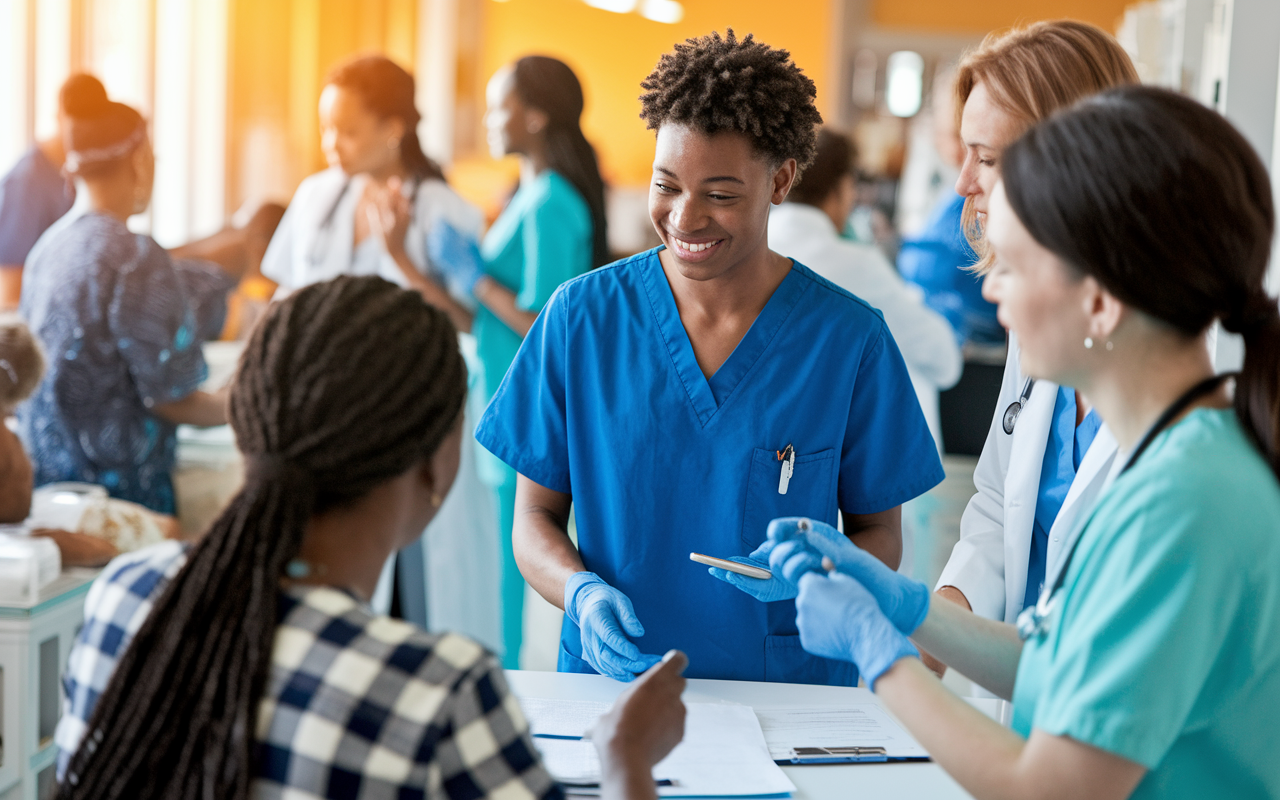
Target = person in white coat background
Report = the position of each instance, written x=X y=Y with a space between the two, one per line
x=1047 y=456
x=807 y=227
x=380 y=209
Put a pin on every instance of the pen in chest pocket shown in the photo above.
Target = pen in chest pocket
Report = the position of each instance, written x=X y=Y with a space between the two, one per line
x=788 y=458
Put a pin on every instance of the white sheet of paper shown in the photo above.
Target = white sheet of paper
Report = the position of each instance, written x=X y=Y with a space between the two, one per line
x=563 y=718
x=723 y=753
x=862 y=725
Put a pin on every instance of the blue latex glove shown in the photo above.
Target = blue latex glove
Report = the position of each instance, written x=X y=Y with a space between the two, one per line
x=766 y=591
x=457 y=256
x=838 y=618
x=606 y=619
x=799 y=550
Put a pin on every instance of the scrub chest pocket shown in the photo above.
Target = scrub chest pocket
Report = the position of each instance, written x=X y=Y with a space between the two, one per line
x=810 y=491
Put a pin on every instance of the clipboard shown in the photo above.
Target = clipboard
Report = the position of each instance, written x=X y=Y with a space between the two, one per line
x=838 y=755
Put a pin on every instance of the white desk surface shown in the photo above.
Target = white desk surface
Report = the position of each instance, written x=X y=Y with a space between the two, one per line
x=900 y=781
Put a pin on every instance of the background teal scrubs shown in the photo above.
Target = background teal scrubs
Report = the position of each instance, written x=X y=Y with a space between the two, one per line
x=1165 y=645
x=606 y=402
x=542 y=239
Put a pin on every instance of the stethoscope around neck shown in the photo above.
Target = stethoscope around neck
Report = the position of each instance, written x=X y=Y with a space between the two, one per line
x=1034 y=620
x=319 y=244
x=1014 y=410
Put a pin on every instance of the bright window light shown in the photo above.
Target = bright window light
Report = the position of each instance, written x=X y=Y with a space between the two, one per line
x=616 y=6
x=668 y=11
x=904 y=82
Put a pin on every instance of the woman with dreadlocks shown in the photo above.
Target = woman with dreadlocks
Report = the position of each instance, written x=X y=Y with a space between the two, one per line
x=251 y=664
x=683 y=398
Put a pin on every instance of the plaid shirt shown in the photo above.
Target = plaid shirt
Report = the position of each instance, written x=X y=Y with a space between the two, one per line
x=357 y=705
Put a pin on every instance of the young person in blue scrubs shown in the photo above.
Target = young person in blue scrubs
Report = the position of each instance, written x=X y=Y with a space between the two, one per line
x=1151 y=666
x=682 y=398
x=552 y=230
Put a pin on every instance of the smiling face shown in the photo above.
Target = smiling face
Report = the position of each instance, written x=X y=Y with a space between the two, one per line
x=986 y=130
x=1048 y=305
x=353 y=137
x=709 y=199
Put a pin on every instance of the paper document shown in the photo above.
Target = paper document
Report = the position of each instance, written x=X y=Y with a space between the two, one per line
x=862 y=725
x=723 y=753
x=563 y=719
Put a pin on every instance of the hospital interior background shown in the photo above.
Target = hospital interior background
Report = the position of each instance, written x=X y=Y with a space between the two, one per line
x=230 y=89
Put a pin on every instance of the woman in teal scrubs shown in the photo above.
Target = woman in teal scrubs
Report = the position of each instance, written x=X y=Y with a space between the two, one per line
x=682 y=398
x=1151 y=666
x=552 y=230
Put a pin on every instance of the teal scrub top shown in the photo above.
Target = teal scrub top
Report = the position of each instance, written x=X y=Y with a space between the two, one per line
x=543 y=238
x=1164 y=646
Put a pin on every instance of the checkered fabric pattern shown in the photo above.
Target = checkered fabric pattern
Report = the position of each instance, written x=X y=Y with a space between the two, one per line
x=357 y=705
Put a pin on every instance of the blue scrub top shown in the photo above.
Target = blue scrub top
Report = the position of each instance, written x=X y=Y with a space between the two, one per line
x=34 y=194
x=605 y=401
x=1164 y=645
x=1063 y=453
x=937 y=260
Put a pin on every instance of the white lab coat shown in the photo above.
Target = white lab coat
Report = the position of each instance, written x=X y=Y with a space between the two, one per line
x=460 y=546
x=307 y=250
x=989 y=563
x=925 y=338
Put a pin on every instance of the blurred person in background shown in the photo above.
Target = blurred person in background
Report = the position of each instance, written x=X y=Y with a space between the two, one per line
x=35 y=192
x=122 y=323
x=552 y=230
x=807 y=228
x=1047 y=455
x=937 y=257
x=383 y=208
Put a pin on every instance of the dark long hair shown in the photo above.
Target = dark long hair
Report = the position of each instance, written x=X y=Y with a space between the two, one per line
x=1164 y=203
x=344 y=385
x=548 y=85
x=387 y=90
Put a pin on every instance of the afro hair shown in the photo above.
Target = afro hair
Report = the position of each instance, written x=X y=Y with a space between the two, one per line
x=714 y=84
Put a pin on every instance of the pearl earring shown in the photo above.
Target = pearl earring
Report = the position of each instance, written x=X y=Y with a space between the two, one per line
x=393 y=144
x=1110 y=345
x=1088 y=343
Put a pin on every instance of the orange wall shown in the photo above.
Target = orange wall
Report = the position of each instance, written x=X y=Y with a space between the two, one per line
x=953 y=16
x=612 y=53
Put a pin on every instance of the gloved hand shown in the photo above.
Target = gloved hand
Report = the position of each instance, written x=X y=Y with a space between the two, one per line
x=838 y=618
x=457 y=256
x=606 y=619
x=767 y=590
x=803 y=543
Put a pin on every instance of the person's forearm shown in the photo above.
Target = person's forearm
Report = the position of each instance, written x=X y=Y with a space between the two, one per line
x=977 y=751
x=201 y=409
x=502 y=302
x=956 y=596
x=992 y=762
x=628 y=783
x=879 y=534
x=433 y=293
x=540 y=537
x=226 y=248
x=983 y=650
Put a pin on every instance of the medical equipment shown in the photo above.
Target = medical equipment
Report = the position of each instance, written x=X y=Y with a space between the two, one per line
x=320 y=244
x=1014 y=410
x=732 y=566
x=1034 y=620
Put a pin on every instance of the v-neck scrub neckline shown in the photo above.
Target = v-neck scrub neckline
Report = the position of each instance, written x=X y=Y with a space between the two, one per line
x=708 y=394
x=605 y=401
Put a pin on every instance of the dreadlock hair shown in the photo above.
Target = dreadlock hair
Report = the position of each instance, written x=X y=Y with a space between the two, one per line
x=550 y=86
x=343 y=386
x=714 y=85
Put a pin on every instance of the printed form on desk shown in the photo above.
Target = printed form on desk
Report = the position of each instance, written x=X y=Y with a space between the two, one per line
x=723 y=753
x=860 y=725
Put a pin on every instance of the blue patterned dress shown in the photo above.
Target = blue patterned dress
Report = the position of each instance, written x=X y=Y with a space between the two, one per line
x=121 y=324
